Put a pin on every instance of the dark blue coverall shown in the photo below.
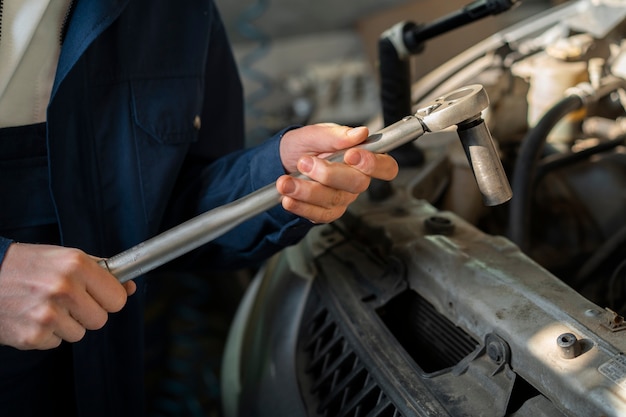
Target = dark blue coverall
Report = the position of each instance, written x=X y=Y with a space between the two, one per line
x=146 y=102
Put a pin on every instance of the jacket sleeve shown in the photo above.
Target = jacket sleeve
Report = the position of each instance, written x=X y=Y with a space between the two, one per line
x=4 y=247
x=218 y=169
x=229 y=178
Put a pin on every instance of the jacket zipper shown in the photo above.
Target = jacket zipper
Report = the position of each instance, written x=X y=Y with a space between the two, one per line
x=1 y=3
x=64 y=24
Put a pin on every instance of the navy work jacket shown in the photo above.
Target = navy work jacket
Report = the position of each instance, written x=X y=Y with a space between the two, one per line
x=146 y=103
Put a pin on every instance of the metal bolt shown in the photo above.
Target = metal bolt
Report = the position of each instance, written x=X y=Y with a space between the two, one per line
x=439 y=225
x=569 y=345
x=494 y=350
x=497 y=349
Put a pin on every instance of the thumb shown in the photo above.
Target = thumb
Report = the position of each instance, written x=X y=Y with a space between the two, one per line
x=341 y=137
x=318 y=140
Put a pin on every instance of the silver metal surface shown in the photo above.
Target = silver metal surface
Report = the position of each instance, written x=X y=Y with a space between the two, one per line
x=448 y=110
x=485 y=162
x=484 y=284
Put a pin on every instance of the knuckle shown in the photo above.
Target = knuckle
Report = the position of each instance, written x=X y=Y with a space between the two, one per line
x=73 y=257
x=368 y=162
x=321 y=171
x=45 y=316
x=61 y=289
x=72 y=261
x=33 y=339
x=341 y=199
x=337 y=198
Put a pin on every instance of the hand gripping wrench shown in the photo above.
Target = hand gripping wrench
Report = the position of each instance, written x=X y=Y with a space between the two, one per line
x=461 y=107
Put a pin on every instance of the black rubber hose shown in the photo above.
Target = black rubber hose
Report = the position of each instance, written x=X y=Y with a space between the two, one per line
x=571 y=158
x=468 y=14
x=395 y=96
x=525 y=166
x=600 y=256
x=395 y=82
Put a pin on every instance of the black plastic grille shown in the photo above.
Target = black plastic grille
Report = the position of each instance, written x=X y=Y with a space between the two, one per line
x=432 y=340
x=340 y=383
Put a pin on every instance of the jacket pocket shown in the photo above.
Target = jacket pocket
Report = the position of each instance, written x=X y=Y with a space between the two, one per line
x=168 y=109
x=166 y=116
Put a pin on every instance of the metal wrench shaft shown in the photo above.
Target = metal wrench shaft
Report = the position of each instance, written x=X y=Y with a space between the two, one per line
x=208 y=226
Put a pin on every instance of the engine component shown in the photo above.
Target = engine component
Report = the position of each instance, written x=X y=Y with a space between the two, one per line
x=550 y=74
x=407 y=308
x=403 y=319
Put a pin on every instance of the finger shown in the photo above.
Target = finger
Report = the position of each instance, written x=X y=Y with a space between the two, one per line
x=50 y=324
x=105 y=289
x=83 y=269
x=318 y=139
x=315 y=214
x=87 y=312
x=71 y=296
x=130 y=287
x=380 y=166
x=313 y=193
x=35 y=337
x=70 y=330
x=325 y=138
x=334 y=175
x=49 y=340
x=342 y=137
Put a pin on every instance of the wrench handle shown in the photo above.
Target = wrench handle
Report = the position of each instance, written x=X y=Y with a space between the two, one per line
x=212 y=224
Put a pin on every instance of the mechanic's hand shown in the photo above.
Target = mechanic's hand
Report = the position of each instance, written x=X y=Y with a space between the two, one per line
x=51 y=293
x=336 y=185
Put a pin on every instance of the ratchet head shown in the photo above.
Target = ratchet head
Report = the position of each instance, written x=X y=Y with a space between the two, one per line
x=453 y=108
x=463 y=107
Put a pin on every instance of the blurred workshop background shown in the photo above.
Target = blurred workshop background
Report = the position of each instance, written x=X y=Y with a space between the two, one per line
x=301 y=62
x=309 y=62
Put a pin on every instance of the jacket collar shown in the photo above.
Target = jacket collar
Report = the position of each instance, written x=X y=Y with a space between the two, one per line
x=90 y=18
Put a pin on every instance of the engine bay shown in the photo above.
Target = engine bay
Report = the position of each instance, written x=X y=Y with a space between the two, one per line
x=423 y=301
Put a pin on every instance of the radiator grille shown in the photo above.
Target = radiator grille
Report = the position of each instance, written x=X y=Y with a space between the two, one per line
x=337 y=383
x=434 y=342
x=340 y=383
